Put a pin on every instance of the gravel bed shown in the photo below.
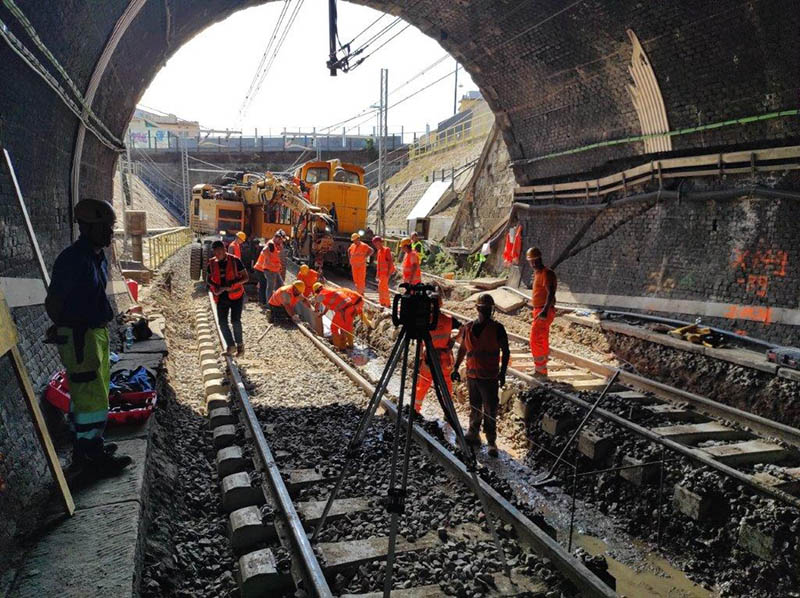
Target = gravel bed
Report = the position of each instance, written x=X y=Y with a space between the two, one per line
x=187 y=551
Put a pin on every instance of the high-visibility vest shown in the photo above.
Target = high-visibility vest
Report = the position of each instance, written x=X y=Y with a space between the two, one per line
x=513 y=246
x=269 y=260
x=385 y=263
x=483 y=352
x=235 y=248
x=411 y=271
x=309 y=279
x=283 y=295
x=354 y=298
x=441 y=334
x=334 y=300
x=358 y=254
x=539 y=286
x=237 y=289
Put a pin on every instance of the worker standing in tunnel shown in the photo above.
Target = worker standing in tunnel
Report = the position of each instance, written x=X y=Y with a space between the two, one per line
x=226 y=278
x=80 y=310
x=359 y=254
x=411 y=270
x=385 y=269
x=284 y=299
x=543 y=298
x=235 y=247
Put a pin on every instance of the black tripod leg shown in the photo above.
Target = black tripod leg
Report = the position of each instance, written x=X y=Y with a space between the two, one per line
x=363 y=425
x=446 y=403
x=397 y=496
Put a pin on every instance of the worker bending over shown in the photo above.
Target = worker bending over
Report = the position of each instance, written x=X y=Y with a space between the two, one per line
x=309 y=278
x=345 y=304
x=79 y=308
x=483 y=341
x=385 y=270
x=269 y=266
x=543 y=298
x=226 y=278
x=235 y=247
x=284 y=299
x=411 y=270
x=359 y=254
x=443 y=344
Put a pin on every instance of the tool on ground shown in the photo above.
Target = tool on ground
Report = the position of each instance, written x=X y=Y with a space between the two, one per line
x=548 y=478
x=263 y=334
x=786 y=356
x=698 y=335
x=416 y=313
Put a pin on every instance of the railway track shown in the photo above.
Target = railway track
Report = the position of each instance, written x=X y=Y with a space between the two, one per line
x=296 y=452
x=726 y=439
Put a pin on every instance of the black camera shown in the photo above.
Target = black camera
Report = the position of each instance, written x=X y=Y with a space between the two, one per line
x=417 y=309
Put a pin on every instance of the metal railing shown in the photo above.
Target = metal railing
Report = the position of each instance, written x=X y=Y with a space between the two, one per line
x=476 y=127
x=160 y=247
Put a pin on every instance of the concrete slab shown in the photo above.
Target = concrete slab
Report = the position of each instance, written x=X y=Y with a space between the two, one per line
x=556 y=425
x=756 y=541
x=224 y=436
x=221 y=416
x=230 y=460
x=686 y=433
x=419 y=592
x=119 y=433
x=696 y=506
x=238 y=492
x=633 y=395
x=743 y=357
x=789 y=374
x=259 y=574
x=246 y=529
x=125 y=487
x=343 y=555
x=675 y=413
x=569 y=375
x=593 y=384
x=295 y=479
x=594 y=446
x=216 y=401
x=90 y=555
x=505 y=301
x=752 y=451
x=637 y=472
x=488 y=283
x=311 y=511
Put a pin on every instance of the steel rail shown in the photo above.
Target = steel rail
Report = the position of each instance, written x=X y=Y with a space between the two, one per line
x=310 y=568
x=569 y=566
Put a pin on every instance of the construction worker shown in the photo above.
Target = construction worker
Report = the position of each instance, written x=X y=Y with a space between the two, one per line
x=411 y=270
x=269 y=267
x=417 y=245
x=309 y=278
x=235 y=247
x=444 y=353
x=282 y=241
x=543 y=298
x=385 y=270
x=79 y=308
x=345 y=305
x=284 y=299
x=226 y=278
x=359 y=254
x=483 y=341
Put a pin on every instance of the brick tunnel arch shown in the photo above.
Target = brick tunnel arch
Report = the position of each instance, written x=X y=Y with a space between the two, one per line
x=572 y=85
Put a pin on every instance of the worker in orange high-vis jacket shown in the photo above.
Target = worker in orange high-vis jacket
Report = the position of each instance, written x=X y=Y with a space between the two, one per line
x=484 y=342
x=443 y=344
x=283 y=300
x=268 y=267
x=309 y=278
x=226 y=276
x=543 y=297
x=235 y=247
x=359 y=254
x=411 y=270
x=385 y=270
x=345 y=305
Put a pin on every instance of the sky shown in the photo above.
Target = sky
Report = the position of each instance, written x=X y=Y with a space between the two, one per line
x=208 y=78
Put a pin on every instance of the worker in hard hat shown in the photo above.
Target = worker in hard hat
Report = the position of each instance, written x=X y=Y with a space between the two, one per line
x=80 y=310
x=235 y=246
x=484 y=342
x=226 y=276
x=359 y=254
x=411 y=270
x=283 y=250
x=543 y=298
x=269 y=266
x=309 y=278
x=417 y=245
x=443 y=344
x=283 y=300
x=385 y=270
x=345 y=305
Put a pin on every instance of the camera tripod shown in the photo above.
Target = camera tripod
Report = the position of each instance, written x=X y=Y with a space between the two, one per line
x=416 y=313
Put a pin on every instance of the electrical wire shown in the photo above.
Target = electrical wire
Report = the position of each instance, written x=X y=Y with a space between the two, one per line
x=362 y=32
x=361 y=61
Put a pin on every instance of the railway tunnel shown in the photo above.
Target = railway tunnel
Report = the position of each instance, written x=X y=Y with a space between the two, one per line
x=653 y=148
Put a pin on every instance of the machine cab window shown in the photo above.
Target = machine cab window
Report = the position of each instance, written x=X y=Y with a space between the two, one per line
x=345 y=176
x=316 y=175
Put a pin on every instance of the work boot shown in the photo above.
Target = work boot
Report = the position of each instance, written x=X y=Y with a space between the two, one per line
x=230 y=350
x=472 y=439
x=79 y=457
x=239 y=350
x=106 y=466
x=492 y=449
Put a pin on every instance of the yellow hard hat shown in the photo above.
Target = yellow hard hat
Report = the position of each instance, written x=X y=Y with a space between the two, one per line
x=94 y=210
x=303 y=270
x=299 y=285
x=241 y=236
x=317 y=287
x=533 y=253
x=355 y=236
x=405 y=242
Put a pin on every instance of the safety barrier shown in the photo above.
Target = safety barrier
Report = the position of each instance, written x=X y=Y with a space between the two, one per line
x=160 y=247
x=470 y=129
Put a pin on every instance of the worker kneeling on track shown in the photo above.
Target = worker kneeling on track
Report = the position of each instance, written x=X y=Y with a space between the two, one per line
x=482 y=342
x=226 y=278
x=283 y=300
x=345 y=304
x=79 y=308
x=443 y=343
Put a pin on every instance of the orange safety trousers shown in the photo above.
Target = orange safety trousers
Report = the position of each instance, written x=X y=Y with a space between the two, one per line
x=540 y=339
x=383 y=292
x=360 y=278
x=425 y=379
